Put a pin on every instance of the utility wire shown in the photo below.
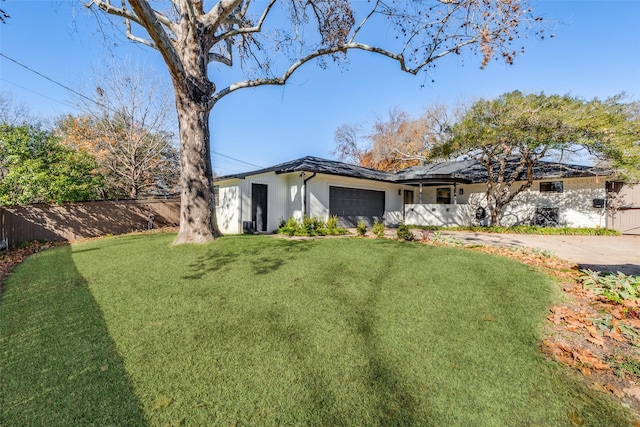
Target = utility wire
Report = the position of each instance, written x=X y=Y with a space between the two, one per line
x=236 y=160
x=49 y=78
x=38 y=93
x=95 y=102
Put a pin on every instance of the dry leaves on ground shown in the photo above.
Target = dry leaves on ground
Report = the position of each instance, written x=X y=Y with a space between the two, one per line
x=588 y=332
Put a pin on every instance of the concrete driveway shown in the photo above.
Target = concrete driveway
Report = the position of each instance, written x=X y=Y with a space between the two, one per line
x=602 y=253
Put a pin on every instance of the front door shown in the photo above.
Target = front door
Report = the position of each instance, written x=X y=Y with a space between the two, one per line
x=259 y=206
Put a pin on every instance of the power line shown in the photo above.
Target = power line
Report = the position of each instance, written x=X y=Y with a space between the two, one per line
x=95 y=102
x=38 y=93
x=236 y=160
x=49 y=78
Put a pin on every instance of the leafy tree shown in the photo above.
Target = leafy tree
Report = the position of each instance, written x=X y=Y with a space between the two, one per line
x=613 y=127
x=133 y=161
x=127 y=129
x=270 y=40
x=510 y=135
x=394 y=143
x=36 y=168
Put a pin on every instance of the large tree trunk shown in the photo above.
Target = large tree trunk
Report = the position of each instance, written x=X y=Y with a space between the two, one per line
x=496 y=215
x=197 y=215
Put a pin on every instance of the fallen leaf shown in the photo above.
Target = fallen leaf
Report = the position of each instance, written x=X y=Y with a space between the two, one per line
x=161 y=402
x=613 y=389
x=596 y=340
x=593 y=331
x=585 y=371
x=615 y=335
x=575 y=420
x=632 y=391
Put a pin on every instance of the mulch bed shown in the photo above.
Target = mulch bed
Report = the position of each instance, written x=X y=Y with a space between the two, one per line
x=598 y=338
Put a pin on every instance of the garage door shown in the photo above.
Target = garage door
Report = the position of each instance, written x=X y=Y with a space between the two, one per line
x=351 y=205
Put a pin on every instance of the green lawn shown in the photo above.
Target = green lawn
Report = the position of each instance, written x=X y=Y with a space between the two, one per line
x=257 y=330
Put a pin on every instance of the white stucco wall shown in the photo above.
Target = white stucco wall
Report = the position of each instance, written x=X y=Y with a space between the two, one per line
x=277 y=198
x=439 y=215
x=228 y=208
x=285 y=198
x=574 y=205
x=234 y=202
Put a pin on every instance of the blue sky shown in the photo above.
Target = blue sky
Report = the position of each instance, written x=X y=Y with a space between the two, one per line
x=595 y=53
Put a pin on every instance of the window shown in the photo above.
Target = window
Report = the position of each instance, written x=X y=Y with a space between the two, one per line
x=551 y=187
x=408 y=197
x=443 y=196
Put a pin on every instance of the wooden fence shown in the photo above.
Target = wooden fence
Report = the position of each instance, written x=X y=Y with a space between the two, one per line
x=88 y=219
x=627 y=219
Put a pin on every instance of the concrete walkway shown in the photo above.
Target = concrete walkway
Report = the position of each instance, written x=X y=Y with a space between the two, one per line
x=602 y=253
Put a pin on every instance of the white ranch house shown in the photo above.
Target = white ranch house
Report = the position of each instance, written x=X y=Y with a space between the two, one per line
x=442 y=194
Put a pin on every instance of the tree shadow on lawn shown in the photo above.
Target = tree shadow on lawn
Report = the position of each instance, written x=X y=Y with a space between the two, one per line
x=265 y=257
x=59 y=365
x=389 y=400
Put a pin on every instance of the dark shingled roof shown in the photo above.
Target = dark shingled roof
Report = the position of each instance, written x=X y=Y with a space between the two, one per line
x=461 y=171
x=318 y=165
x=470 y=171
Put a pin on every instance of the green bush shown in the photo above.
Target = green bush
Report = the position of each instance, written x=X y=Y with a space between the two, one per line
x=361 y=228
x=404 y=233
x=527 y=229
x=332 y=222
x=311 y=226
x=289 y=227
x=378 y=229
x=333 y=229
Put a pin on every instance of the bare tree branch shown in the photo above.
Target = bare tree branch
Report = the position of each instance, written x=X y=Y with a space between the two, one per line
x=255 y=29
x=218 y=13
x=279 y=81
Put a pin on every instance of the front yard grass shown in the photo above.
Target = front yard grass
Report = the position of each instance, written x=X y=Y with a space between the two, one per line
x=256 y=330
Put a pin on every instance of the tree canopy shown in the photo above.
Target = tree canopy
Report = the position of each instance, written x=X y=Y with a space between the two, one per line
x=270 y=40
x=393 y=143
x=36 y=168
x=134 y=161
x=509 y=135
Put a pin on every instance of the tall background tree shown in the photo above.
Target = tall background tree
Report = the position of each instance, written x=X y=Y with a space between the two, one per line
x=395 y=142
x=36 y=168
x=12 y=112
x=273 y=39
x=513 y=133
x=128 y=129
